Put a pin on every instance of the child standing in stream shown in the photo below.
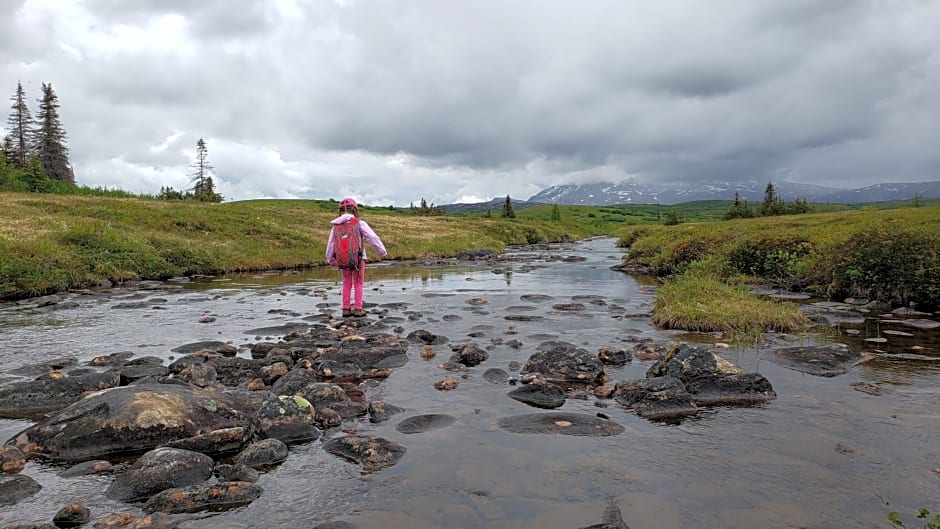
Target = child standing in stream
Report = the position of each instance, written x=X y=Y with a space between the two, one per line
x=344 y=250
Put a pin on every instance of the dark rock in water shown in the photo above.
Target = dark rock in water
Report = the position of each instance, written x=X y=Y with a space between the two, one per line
x=16 y=488
x=547 y=396
x=72 y=515
x=35 y=397
x=133 y=419
x=119 y=520
x=293 y=381
x=160 y=469
x=323 y=394
x=221 y=348
x=381 y=411
x=424 y=423
x=613 y=519
x=496 y=376
x=426 y=338
x=373 y=453
x=334 y=525
x=99 y=466
x=871 y=388
x=145 y=361
x=523 y=317
x=216 y=497
x=560 y=423
x=183 y=362
x=380 y=351
x=236 y=371
x=327 y=418
x=689 y=362
x=658 y=398
x=535 y=298
x=821 y=360
x=469 y=355
x=112 y=360
x=289 y=419
x=564 y=362
x=279 y=330
x=238 y=472
x=476 y=254
x=648 y=351
x=451 y=317
x=130 y=374
x=611 y=356
x=568 y=307
x=743 y=389
x=266 y=453
x=521 y=308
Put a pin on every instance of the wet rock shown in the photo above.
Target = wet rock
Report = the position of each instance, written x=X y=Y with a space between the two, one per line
x=469 y=355
x=424 y=423
x=477 y=301
x=270 y=373
x=16 y=488
x=255 y=384
x=611 y=356
x=496 y=376
x=372 y=453
x=476 y=254
x=31 y=526
x=821 y=360
x=236 y=371
x=111 y=360
x=12 y=460
x=206 y=319
x=293 y=381
x=157 y=521
x=132 y=373
x=561 y=424
x=288 y=419
x=742 y=389
x=381 y=411
x=160 y=469
x=427 y=352
x=328 y=418
x=453 y=366
x=564 y=362
x=178 y=365
x=547 y=396
x=657 y=398
x=198 y=498
x=523 y=317
x=612 y=519
x=216 y=347
x=447 y=384
x=88 y=468
x=426 y=338
x=689 y=362
x=568 y=307
x=603 y=392
x=334 y=525
x=116 y=520
x=280 y=330
x=922 y=324
x=72 y=515
x=139 y=418
x=237 y=472
x=36 y=397
x=647 y=351
x=262 y=454
x=202 y=375
x=535 y=298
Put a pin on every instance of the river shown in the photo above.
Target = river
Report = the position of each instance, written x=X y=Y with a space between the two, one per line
x=822 y=455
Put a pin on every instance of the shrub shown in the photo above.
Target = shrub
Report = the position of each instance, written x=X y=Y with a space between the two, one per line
x=778 y=259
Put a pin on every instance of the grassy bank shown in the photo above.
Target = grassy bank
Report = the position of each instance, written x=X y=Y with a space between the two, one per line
x=888 y=255
x=50 y=243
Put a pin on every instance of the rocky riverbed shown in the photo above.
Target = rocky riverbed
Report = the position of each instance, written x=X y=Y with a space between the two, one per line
x=522 y=390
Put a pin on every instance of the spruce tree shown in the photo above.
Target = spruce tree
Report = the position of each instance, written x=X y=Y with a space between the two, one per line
x=50 y=138
x=8 y=150
x=556 y=212
x=203 y=185
x=20 y=125
x=507 y=209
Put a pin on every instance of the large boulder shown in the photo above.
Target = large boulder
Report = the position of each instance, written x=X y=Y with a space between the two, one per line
x=138 y=418
x=16 y=488
x=689 y=362
x=289 y=419
x=158 y=470
x=204 y=497
x=36 y=397
x=263 y=454
x=564 y=362
x=657 y=398
x=469 y=355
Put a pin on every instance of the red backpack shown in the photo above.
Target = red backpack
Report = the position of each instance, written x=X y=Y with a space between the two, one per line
x=347 y=245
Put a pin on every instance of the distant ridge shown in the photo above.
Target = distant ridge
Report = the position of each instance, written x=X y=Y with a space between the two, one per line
x=629 y=192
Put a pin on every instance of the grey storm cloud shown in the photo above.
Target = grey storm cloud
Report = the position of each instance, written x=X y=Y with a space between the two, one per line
x=393 y=101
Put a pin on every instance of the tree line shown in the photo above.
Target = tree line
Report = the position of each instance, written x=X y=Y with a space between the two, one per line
x=773 y=204
x=33 y=154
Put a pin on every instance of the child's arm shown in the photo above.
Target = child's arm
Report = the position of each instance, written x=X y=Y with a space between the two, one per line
x=329 y=247
x=369 y=235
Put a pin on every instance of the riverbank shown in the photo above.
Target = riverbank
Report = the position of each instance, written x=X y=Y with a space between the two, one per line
x=54 y=243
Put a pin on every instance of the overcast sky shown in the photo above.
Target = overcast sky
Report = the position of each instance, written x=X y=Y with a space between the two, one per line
x=391 y=101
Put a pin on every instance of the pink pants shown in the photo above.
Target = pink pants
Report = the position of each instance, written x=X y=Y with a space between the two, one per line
x=353 y=278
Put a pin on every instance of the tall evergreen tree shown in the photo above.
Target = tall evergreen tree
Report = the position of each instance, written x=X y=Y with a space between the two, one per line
x=507 y=209
x=20 y=125
x=203 y=186
x=8 y=150
x=772 y=201
x=50 y=138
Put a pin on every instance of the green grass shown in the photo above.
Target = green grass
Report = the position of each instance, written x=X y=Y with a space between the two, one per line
x=891 y=255
x=703 y=302
x=50 y=243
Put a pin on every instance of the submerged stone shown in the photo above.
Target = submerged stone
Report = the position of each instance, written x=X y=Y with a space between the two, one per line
x=821 y=360
x=424 y=423
x=656 y=398
x=160 y=469
x=215 y=497
x=16 y=488
x=373 y=453
x=547 y=396
x=560 y=424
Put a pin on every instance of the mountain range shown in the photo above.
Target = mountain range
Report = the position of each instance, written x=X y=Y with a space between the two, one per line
x=630 y=192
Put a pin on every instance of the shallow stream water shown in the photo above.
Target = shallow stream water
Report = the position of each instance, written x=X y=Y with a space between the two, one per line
x=822 y=455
